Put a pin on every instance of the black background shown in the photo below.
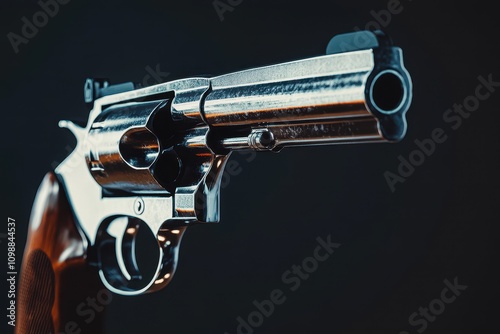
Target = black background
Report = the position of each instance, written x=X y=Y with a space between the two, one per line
x=397 y=248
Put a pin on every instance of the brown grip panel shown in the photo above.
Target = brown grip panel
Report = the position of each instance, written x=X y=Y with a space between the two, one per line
x=58 y=289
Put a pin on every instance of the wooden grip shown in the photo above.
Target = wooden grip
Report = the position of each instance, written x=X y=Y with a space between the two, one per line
x=58 y=291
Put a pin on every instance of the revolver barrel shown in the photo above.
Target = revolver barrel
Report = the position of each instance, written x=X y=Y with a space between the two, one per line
x=356 y=96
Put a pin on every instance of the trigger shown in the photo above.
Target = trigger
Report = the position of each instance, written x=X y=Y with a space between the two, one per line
x=124 y=231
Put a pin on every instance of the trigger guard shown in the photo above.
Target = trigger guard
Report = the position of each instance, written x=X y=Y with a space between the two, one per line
x=111 y=271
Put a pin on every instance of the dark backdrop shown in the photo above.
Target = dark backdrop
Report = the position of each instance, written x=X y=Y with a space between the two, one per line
x=397 y=248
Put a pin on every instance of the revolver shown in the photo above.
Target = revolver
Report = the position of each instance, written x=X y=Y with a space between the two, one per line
x=151 y=159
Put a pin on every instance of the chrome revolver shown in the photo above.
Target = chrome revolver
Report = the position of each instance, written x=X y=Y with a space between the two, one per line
x=152 y=158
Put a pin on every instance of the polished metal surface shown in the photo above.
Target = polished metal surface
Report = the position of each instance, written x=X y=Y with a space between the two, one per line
x=152 y=158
